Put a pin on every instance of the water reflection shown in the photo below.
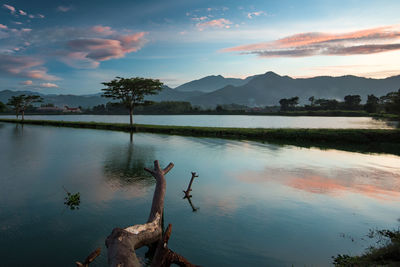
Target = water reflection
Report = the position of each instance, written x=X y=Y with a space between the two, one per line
x=18 y=130
x=189 y=199
x=369 y=182
x=261 y=204
x=124 y=164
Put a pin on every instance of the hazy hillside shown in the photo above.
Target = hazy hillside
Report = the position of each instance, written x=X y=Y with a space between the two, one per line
x=269 y=88
x=167 y=94
x=211 y=83
x=58 y=100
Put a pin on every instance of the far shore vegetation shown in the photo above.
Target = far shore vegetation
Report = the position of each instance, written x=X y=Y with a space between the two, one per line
x=387 y=106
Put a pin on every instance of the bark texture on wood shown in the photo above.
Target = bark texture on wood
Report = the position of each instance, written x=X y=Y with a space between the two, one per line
x=122 y=243
x=187 y=192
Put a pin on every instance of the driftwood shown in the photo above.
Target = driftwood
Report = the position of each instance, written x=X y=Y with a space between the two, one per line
x=89 y=258
x=122 y=243
x=187 y=192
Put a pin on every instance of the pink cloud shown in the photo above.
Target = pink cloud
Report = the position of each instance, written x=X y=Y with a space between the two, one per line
x=27 y=82
x=216 y=23
x=24 y=66
x=88 y=52
x=3 y=27
x=255 y=14
x=104 y=30
x=79 y=60
x=26 y=30
x=11 y=8
x=40 y=74
x=49 y=85
x=368 y=41
x=23 y=13
x=41 y=16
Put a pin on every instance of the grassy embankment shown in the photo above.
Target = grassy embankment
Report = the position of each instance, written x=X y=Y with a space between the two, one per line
x=315 y=113
x=360 y=140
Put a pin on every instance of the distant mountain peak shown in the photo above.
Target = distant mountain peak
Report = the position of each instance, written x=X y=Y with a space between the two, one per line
x=210 y=83
x=271 y=74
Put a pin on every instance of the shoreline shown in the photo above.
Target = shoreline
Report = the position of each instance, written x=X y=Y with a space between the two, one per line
x=350 y=114
x=356 y=140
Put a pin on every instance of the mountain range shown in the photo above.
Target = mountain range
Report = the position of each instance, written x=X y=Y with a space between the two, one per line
x=259 y=90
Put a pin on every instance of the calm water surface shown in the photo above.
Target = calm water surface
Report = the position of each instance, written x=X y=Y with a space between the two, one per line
x=260 y=204
x=242 y=121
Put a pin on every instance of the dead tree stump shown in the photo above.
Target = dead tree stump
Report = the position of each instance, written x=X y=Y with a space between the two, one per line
x=187 y=192
x=121 y=243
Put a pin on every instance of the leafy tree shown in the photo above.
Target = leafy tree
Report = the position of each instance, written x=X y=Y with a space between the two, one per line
x=312 y=99
x=284 y=102
x=3 y=107
x=352 y=101
x=22 y=102
x=372 y=104
x=391 y=102
x=294 y=101
x=327 y=104
x=289 y=104
x=219 y=108
x=131 y=91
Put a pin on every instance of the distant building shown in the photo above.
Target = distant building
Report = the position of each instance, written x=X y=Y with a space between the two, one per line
x=72 y=110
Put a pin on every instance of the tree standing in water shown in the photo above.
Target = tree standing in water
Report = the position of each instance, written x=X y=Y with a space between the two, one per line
x=131 y=91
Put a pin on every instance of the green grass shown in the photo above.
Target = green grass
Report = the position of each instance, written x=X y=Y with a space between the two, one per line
x=360 y=140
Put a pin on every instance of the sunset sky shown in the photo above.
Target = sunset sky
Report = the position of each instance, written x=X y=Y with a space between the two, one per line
x=73 y=46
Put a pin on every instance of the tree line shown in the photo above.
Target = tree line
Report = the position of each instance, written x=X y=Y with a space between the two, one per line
x=389 y=103
x=130 y=93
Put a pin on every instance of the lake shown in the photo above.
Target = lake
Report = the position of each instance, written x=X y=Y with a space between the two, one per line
x=259 y=204
x=241 y=121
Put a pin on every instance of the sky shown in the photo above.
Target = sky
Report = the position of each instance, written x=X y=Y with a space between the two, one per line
x=70 y=47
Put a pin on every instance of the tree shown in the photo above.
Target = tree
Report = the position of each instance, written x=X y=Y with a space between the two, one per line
x=131 y=91
x=352 y=101
x=311 y=99
x=22 y=102
x=3 y=107
x=219 y=108
x=372 y=104
x=293 y=102
x=289 y=104
x=326 y=104
x=391 y=102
